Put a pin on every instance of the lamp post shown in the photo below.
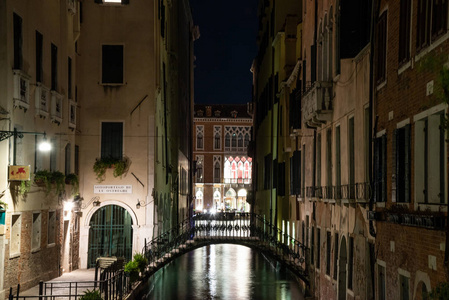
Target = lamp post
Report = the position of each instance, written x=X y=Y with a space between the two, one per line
x=44 y=146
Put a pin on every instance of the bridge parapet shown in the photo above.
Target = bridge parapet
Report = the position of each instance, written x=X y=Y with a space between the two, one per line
x=245 y=229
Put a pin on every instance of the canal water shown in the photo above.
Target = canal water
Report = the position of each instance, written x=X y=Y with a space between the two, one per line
x=223 y=271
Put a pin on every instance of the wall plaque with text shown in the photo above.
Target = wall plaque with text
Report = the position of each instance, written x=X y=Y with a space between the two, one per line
x=113 y=189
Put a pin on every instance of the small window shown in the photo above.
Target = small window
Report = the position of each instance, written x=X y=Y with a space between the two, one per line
x=112 y=64
x=36 y=234
x=16 y=228
x=54 y=67
x=112 y=140
x=328 y=253
x=381 y=51
x=51 y=227
x=18 y=42
x=404 y=31
x=39 y=49
x=404 y=287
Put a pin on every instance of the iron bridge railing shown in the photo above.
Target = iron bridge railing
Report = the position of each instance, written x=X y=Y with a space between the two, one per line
x=242 y=228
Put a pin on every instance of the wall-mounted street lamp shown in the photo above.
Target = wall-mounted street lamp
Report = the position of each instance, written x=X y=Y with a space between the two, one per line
x=44 y=146
x=141 y=204
x=95 y=202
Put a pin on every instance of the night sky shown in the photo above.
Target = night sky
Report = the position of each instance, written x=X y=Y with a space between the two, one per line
x=225 y=50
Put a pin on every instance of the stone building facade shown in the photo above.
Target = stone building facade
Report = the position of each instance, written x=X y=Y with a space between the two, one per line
x=410 y=151
x=39 y=231
x=102 y=79
x=223 y=168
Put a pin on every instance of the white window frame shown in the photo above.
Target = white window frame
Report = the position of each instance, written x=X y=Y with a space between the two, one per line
x=15 y=235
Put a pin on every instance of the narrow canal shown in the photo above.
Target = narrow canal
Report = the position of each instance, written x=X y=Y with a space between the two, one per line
x=223 y=271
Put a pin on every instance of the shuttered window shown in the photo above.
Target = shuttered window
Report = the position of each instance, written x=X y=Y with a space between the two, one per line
x=18 y=42
x=404 y=31
x=39 y=49
x=112 y=64
x=281 y=179
x=112 y=140
x=381 y=48
x=402 y=159
x=380 y=168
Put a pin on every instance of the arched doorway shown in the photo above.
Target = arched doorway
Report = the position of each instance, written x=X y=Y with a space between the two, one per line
x=230 y=200
x=110 y=234
x=342 y=270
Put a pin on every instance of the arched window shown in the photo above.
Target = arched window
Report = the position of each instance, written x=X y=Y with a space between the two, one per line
x=240 y=170
x=227 y=140
x=240 y=141
x=247 y=174
x=233 y=170
x=199 y=141
x=227 y=171
x=199 y=173
x=217 y=141
x=246 y=140
x=217 y=177
x=199 y=200
x=234 y=141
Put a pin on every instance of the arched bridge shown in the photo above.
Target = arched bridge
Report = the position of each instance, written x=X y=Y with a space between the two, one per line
x=244 y=229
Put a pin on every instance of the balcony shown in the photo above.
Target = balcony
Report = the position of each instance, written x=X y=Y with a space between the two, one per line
x=56 y=107
x=71 y=6
x=317 y=104
x=72 y=114
x=21 y=94
x=42 y=99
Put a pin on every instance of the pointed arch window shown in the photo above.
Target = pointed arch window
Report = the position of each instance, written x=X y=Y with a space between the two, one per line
x=217 y=172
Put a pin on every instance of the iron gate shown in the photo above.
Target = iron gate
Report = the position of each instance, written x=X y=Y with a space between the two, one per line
x=110 y=234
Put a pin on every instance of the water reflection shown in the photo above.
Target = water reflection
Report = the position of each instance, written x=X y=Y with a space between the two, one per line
x=223 y=272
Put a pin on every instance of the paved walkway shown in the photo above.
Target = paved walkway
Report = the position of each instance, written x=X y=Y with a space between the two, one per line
x=63 y=289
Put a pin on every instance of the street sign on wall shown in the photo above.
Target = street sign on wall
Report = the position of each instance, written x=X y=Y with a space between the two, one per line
x=21 y=173
x=113 y=189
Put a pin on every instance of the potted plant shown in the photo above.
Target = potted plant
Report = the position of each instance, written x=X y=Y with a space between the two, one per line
x=24 y=187
x=102 y=164
x=132 y=270
x=91 y=295
x=58 y=179
x=73 y=180
x=42 y=179
x=141 y=261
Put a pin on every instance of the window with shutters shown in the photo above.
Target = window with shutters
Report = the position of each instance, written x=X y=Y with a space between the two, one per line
x=267 y=172
x=318 y=160
x=429 y=170
x=51 y=230
x=329 y=159
x=36 y=232
x=54 y=67
x=404 y=31
x=295 y=173
x=318 y=248
x=381 y=287
x=312 y=246
x=380 y=168
x=328 y=252
x=404 y=285
x=68 y=159
x=401 y=161
x=281 y=179
x=16 y=228
x=39 y=56
x=335 y=256
x=112 y=64
x=381 y=48
x=432 y=21
x=350 y=262
x=18 y=42
x=112 y=140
